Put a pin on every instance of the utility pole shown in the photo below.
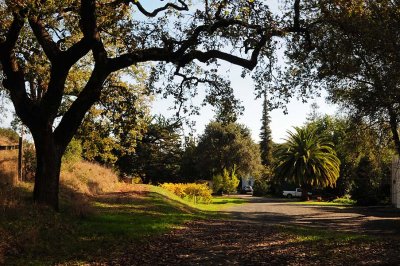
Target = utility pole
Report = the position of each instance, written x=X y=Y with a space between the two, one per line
x=20 y=154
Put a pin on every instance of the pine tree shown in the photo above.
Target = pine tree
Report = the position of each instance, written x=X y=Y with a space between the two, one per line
x=265 y=135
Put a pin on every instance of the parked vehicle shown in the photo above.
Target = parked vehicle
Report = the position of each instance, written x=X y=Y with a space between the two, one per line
x=298 y=192
x=247 y=189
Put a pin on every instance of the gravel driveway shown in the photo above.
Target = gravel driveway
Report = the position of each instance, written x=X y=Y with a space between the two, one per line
x=370 y=220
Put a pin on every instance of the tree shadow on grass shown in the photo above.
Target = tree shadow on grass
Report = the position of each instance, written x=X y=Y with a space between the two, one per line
x=230 y=201
x=112 y=223
x=383 y=221
x=238 y=243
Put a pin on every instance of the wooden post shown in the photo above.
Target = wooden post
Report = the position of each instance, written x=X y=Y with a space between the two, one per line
x=20 y=155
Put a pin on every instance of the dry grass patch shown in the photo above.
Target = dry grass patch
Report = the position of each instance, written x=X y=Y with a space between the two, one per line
x=8 y=166
x=6 y=141
x=89 y=178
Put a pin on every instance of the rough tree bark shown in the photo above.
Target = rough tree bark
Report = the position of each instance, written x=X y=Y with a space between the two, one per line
x=48 y=156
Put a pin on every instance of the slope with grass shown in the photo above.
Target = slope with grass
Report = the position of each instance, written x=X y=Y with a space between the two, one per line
x=91 y=222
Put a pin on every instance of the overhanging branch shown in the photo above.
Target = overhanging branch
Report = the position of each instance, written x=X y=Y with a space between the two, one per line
x=155 y=12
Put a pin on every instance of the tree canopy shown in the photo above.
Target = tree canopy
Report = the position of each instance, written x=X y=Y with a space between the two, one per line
x=117 y=121
x=354 y=56
x=229 y=147
x=53 y=51
x=157 y=155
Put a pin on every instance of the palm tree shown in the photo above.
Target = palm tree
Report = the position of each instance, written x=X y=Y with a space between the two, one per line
x=307 y=159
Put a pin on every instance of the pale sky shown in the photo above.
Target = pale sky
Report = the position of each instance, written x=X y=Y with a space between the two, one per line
x=244 y=90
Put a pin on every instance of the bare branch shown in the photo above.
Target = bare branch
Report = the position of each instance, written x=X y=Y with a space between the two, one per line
x=155 y=12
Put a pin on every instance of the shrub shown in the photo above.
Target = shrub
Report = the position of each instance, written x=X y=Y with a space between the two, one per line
x=178 y=189
x=226 y=182
x=261 y=187
x=194 y=192
x=345 y=200
x=365 y=189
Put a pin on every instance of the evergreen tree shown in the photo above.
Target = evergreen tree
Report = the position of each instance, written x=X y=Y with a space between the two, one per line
x=227 y=146
x=265 y=135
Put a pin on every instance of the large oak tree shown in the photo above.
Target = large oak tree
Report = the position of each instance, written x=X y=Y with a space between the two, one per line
x=44 y=44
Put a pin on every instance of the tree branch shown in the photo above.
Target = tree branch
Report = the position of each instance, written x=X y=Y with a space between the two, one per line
x=222 y=23
x=150 y=54
x=63 y=61
x=74 y=116
x=14 y=80
x=297 y=28
x=44 y=38
x=12 y=34
x=90 y=31
x=219 y=9
x=76 y=52
x=155 y=12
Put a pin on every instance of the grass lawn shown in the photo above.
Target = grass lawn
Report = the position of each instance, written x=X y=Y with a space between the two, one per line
x=308 y=234
x=321 y=203
x=218 y=203
x=99 y=228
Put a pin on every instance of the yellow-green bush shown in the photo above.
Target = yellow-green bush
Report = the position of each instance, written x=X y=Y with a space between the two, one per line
x=227 y=182
x=194 y=192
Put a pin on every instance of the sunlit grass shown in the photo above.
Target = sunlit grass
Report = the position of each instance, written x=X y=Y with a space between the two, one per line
x=217 y=203
x=306 y=234
x=321 y=203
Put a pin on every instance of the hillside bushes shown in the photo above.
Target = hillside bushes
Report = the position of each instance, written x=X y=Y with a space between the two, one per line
x=194 y=192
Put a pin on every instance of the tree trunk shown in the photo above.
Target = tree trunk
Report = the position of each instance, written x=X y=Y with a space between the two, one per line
x=48 y=166
x=393 y=127
x=304 y=194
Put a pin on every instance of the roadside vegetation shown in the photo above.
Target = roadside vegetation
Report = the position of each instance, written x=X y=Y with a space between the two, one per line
x=91 y=222
x=98 y=212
